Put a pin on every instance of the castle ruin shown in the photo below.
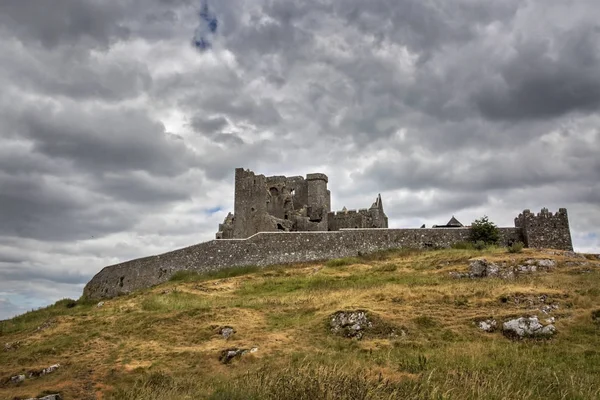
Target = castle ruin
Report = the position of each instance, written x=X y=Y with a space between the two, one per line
x=291 y=204
x=280 y=220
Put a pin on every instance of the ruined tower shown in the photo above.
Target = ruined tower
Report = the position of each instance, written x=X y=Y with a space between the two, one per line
x=290 y=204
x=545 y=230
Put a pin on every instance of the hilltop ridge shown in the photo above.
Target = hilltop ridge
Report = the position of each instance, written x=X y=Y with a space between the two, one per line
x=252 y=332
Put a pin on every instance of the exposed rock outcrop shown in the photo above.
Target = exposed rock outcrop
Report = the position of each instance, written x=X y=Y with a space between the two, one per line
x=527 y=327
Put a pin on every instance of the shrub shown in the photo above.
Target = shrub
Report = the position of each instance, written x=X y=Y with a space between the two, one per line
x=484 y=230
x=516 y=247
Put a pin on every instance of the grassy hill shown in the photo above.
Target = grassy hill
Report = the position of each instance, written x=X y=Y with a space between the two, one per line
x=164 y=342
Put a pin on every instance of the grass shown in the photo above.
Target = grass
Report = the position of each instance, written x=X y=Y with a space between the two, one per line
x=164 y=342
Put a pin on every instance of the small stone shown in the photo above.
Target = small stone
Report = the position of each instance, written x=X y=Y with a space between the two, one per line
x=100 y=304
x=551 y=320
x=546 y=263
x=229 y=354
x=254 y=350
x=226 y=332
x=10 y=346
x=17 y=378
x=489 y=325
x=47 y=397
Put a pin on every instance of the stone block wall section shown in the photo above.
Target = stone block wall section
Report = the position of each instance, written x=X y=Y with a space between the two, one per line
x=545 y=230
x=270 y=248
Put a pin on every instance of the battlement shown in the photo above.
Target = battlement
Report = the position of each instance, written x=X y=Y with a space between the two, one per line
x=545 y=229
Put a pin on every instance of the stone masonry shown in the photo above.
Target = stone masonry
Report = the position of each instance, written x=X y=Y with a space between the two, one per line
x=545 y=230
x=290 y=204
x=271 y=248
x=280 y=220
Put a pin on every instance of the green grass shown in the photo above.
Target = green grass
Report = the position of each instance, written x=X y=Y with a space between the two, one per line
x=164 y=343
x=194 y=276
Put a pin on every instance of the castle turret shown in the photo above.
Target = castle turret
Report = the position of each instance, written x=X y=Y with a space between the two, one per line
x=545 y=230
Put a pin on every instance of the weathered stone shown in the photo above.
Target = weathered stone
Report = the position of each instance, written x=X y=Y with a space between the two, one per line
x=229 y=354
x=290 y=204
x=100 y=304
x=546 y=263
x=45 y=371
x=47 y=324
x=527 y=327
x=489 y=325
x=226 y=332
x=275 y=248
x=48 y=397
x=545 y=230
x=17 y=378
x=481 y=268
x=10 y=346
x=350 y=323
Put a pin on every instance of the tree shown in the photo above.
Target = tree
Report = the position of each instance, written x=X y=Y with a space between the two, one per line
x=484 y=230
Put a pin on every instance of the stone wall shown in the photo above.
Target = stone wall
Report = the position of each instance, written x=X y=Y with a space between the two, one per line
x=545 y=230
x=270 y=248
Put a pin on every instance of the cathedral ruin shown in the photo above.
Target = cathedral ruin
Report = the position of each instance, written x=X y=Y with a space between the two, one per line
x=291 y=204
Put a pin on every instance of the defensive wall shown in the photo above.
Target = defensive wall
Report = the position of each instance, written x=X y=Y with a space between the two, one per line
x=272 y=248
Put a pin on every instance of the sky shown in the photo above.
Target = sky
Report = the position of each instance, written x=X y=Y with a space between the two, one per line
x=121 y=122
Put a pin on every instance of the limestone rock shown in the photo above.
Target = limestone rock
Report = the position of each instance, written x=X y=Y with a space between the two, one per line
x=45 y=371
x=48 y=397
x=228 y=355
x=10 y=346
x=489 y=325
x=226 y=332
x=524 y=327
x=100 y=304
x=350 y=323
x=17 y=378
x=46 y=325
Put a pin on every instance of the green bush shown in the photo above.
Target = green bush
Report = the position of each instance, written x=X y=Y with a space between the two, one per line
x=516 y=247
x=484 y=230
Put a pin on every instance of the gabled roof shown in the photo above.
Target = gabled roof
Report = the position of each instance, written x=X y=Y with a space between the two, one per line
x=454 y=222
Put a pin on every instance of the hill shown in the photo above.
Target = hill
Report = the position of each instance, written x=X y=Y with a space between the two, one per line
x=411 y=329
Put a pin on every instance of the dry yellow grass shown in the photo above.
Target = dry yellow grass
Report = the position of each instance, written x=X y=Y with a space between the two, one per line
x=173 y=330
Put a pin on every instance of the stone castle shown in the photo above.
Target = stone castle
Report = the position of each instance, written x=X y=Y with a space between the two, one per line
x=291 y=204
x=279 y=220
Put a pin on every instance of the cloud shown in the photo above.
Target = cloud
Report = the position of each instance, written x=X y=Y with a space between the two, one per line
x=119 y=138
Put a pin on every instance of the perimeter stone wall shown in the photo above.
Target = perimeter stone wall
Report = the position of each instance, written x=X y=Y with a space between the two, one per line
x=271 y=248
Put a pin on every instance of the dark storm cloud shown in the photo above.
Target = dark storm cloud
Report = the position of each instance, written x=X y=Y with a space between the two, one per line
x=546 y=78
x=64 y=21
x=119 y=138
x=104 y=139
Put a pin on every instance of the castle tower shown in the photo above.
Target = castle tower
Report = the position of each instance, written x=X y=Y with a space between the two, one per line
x=545 y=230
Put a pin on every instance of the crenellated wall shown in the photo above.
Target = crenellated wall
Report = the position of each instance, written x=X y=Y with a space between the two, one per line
x=270 y=248
x=545 y=230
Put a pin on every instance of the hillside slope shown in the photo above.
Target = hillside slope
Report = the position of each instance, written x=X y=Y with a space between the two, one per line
x=422 y=339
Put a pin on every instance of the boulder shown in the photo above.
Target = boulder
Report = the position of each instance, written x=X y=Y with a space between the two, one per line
x=350 y=324
x=527 y=327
